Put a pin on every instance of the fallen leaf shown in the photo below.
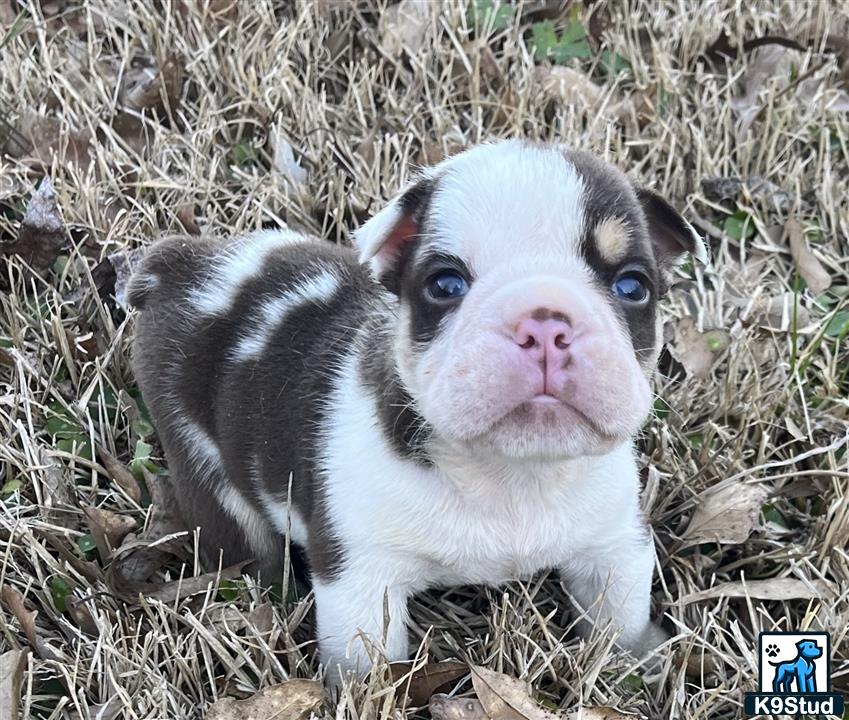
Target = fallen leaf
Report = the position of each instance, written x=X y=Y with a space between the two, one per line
x=426 y=680
x=755 y=186
x=42 y=235
x=58 y=490
x=365 y=148
x=779 y=312
x=153 y=87
x=15 y=602
x=125 y=264
x=782 y=589
x=597 y=712
x=108 y=529
x=11 y=673
x=40 y=138
x=404 y=26
x=82 y=616
x=83 y=348
x=284 y=158
x=775 y=64
x=726 y=514
x=571 y=87
x=700 y=664
x=696 y=350
x=291 y=700
x=443 y=707
x=163 y=535
x=120 y=474
x=810 y=268
x=261 y=618
x=506 y=698
x=186 y=217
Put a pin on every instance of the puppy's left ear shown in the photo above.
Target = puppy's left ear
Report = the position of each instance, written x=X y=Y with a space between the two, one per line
x=672 y=236
x=383 y=240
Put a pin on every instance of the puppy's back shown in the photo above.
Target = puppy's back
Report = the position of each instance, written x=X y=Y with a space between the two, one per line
x=221 y=322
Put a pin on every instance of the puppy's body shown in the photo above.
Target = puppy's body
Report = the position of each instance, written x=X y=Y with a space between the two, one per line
x=466 y=419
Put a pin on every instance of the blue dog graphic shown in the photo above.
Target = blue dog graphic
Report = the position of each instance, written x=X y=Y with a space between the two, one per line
x=801 y=669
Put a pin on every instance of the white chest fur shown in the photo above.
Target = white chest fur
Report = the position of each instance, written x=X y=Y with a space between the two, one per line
x=465 y=520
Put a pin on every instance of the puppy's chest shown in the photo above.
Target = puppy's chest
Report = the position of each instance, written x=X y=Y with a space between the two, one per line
x=449 y=537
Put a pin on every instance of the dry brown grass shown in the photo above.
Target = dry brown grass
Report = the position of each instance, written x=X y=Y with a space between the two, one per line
x=772 y=411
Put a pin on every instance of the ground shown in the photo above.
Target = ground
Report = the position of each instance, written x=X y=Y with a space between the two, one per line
x=185 y=117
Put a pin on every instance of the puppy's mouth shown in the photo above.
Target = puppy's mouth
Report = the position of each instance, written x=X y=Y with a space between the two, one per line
x=545 y=399
x=545 y=408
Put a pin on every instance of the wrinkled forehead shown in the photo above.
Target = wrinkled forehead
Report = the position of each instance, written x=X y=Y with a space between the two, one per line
x=500 y=202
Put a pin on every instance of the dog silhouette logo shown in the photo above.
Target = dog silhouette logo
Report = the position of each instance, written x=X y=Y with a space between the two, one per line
x=794 y=676
x=801 y=670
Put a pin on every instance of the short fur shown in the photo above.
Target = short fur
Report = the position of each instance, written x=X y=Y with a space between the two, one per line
x=427 y=440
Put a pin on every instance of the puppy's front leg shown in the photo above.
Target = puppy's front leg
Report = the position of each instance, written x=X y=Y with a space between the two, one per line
x=359 y=614
x=612 y=582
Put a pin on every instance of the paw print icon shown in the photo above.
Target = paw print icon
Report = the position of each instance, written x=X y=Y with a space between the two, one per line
x=771 y=650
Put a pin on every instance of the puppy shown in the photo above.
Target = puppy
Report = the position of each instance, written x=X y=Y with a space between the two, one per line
x=453 y=402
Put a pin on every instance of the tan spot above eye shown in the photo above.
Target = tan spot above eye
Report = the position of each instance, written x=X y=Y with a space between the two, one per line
x=611 y=238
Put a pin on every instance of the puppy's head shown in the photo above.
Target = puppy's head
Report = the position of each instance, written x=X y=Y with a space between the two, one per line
x=528 y=278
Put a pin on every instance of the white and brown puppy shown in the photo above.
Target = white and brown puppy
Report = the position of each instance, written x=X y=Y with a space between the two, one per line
x=454 y=403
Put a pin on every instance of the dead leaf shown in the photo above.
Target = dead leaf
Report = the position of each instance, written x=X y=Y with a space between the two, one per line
x=59 y=494
x=404 y=26
x=284 y=158
x=480 y=54
x=700 y=664
x=11 y=673
x=597 y=712
x=120 y=474
x=42 y=235
x=775 y=65
x=83 y=348
x=125 y=264
x=571 y=87
x=108 y=529
x=782 y=589
x=292 y=700
x=186 y=217
x=41 y=138
x=780 y=312
x=756 y=187
x=261 y=618
x=810 y=268
x=426 y=680
x=726 y=514
x=506 y=698
x=696 y=350
x=139 y=557
x=443 y=707
x=78 y=610
x=15 y=602
x=153 y=87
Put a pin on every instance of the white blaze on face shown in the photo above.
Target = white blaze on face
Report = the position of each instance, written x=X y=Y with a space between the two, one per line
x=514 y=214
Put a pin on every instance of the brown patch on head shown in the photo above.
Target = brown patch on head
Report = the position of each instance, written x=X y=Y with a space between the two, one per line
x=612 y=239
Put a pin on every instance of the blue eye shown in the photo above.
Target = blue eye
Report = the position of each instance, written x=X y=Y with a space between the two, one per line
x=631 y=287
x=447 y=285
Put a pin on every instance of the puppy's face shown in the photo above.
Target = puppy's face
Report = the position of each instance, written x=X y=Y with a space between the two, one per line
x=528 y=279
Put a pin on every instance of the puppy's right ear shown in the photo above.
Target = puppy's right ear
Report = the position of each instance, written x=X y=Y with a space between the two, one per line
x=385 y=239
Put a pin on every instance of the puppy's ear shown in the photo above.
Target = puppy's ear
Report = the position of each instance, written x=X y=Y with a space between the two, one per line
x=384 y=240
x=672 y=236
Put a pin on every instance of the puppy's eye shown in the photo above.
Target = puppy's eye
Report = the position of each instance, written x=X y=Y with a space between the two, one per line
x=447 y=285
x=632 y=287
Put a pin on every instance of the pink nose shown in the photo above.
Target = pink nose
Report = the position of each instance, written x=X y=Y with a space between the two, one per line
x=545 y=337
